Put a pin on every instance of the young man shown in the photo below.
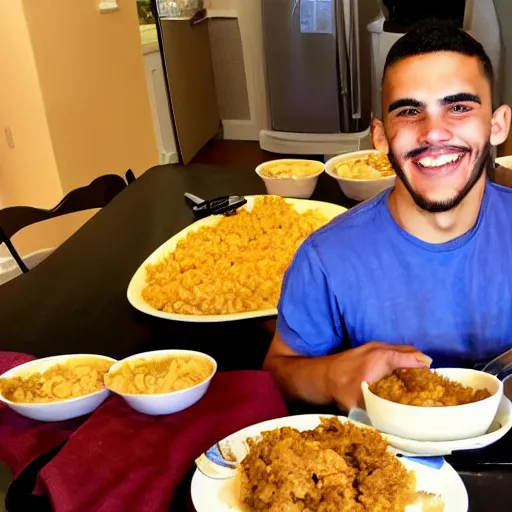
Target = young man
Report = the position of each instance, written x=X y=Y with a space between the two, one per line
x=423 y=271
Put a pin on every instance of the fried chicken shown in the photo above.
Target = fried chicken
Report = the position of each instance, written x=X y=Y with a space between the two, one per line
x=425 y=388
x=337 y=466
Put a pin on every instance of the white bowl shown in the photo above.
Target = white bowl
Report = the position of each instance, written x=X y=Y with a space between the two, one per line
x=449 y=423
x=61 y=409
x=504 y=161
x=302 y=188
x=166 y=403
x=359 y=190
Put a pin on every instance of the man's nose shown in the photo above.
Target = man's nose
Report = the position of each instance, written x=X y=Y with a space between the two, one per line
x=434 y=131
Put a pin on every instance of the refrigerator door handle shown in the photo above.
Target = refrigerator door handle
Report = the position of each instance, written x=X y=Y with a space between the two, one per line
x=343 y=69
x=354 y=61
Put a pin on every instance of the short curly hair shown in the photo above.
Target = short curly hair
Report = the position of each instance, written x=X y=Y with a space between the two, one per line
x=435 y=35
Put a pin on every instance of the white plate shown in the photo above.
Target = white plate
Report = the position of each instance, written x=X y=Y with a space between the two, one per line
x=500 y=426
x=210 y=495
x=138 y=281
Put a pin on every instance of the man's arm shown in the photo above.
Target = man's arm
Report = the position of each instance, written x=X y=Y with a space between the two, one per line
x=298 y=377
x=336 y=378
x=309 y=327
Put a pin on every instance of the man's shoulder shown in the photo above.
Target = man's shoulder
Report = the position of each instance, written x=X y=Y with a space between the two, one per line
x=500 y=199
x=365 y=216
x=501 y=191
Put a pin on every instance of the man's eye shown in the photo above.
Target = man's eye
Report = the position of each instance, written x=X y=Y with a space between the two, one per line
x=460 y=109
x=408 y=112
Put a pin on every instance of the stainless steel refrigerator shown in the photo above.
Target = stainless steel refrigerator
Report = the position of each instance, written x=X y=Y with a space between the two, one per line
x=313 y=65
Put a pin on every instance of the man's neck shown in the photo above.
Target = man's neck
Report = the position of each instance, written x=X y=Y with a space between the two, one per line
x=436 y=228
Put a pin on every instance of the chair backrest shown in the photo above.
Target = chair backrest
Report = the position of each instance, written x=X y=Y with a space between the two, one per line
x=130 y=176
x=95 y=195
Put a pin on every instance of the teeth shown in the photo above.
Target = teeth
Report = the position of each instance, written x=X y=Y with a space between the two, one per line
x=439 y=161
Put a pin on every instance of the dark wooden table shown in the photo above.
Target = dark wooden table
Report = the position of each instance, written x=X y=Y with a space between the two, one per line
x=75 y=300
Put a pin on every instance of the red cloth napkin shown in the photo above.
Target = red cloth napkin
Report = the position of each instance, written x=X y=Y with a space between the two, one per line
x=9 y=360
x=21 y=439
x=121 y=460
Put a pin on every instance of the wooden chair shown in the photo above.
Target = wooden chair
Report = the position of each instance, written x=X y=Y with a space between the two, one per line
x=130 y=177
x=95 y=195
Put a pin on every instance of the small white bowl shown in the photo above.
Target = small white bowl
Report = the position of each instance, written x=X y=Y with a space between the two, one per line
x=359 y=190
x=166 y=403
x=301 y=188
x=449 y=423
x=62 y=409
x=504 y=161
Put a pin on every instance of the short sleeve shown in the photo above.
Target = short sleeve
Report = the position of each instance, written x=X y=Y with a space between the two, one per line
x=308 y=320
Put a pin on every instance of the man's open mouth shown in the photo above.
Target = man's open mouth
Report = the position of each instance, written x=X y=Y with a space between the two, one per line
x=440 y=163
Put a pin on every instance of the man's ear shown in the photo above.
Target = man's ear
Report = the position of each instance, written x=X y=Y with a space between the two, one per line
x=379 y=140
x=500 y=125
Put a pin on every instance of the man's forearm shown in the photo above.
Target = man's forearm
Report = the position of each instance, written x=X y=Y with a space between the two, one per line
x=301 y=378
x=338 y=377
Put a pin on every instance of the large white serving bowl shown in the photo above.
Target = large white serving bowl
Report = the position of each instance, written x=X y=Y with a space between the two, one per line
x=62 y=409
x=166 y=403
x=138 y=281
x=438 y=423
x=359 y=190
x=301 y=188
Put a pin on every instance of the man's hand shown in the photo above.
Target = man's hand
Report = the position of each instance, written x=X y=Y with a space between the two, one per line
x=322 y=380
x=370 y=362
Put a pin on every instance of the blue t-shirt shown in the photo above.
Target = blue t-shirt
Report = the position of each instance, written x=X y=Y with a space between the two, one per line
x=363 y=278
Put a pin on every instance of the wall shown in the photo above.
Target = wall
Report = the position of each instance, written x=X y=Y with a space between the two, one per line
x=76 y=101
x=251 y=32
x=229 y=70
x=28 y=171
x=230 y=63
x=92 y=76
x=222 y=4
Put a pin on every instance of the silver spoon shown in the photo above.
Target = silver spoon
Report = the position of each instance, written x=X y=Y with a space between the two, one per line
x=500 y=364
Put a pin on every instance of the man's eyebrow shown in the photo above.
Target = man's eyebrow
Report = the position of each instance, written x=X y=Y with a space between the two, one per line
x=460 y=97
x=405 y=102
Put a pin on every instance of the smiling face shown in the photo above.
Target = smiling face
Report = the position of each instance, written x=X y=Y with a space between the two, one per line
x=438 y=126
